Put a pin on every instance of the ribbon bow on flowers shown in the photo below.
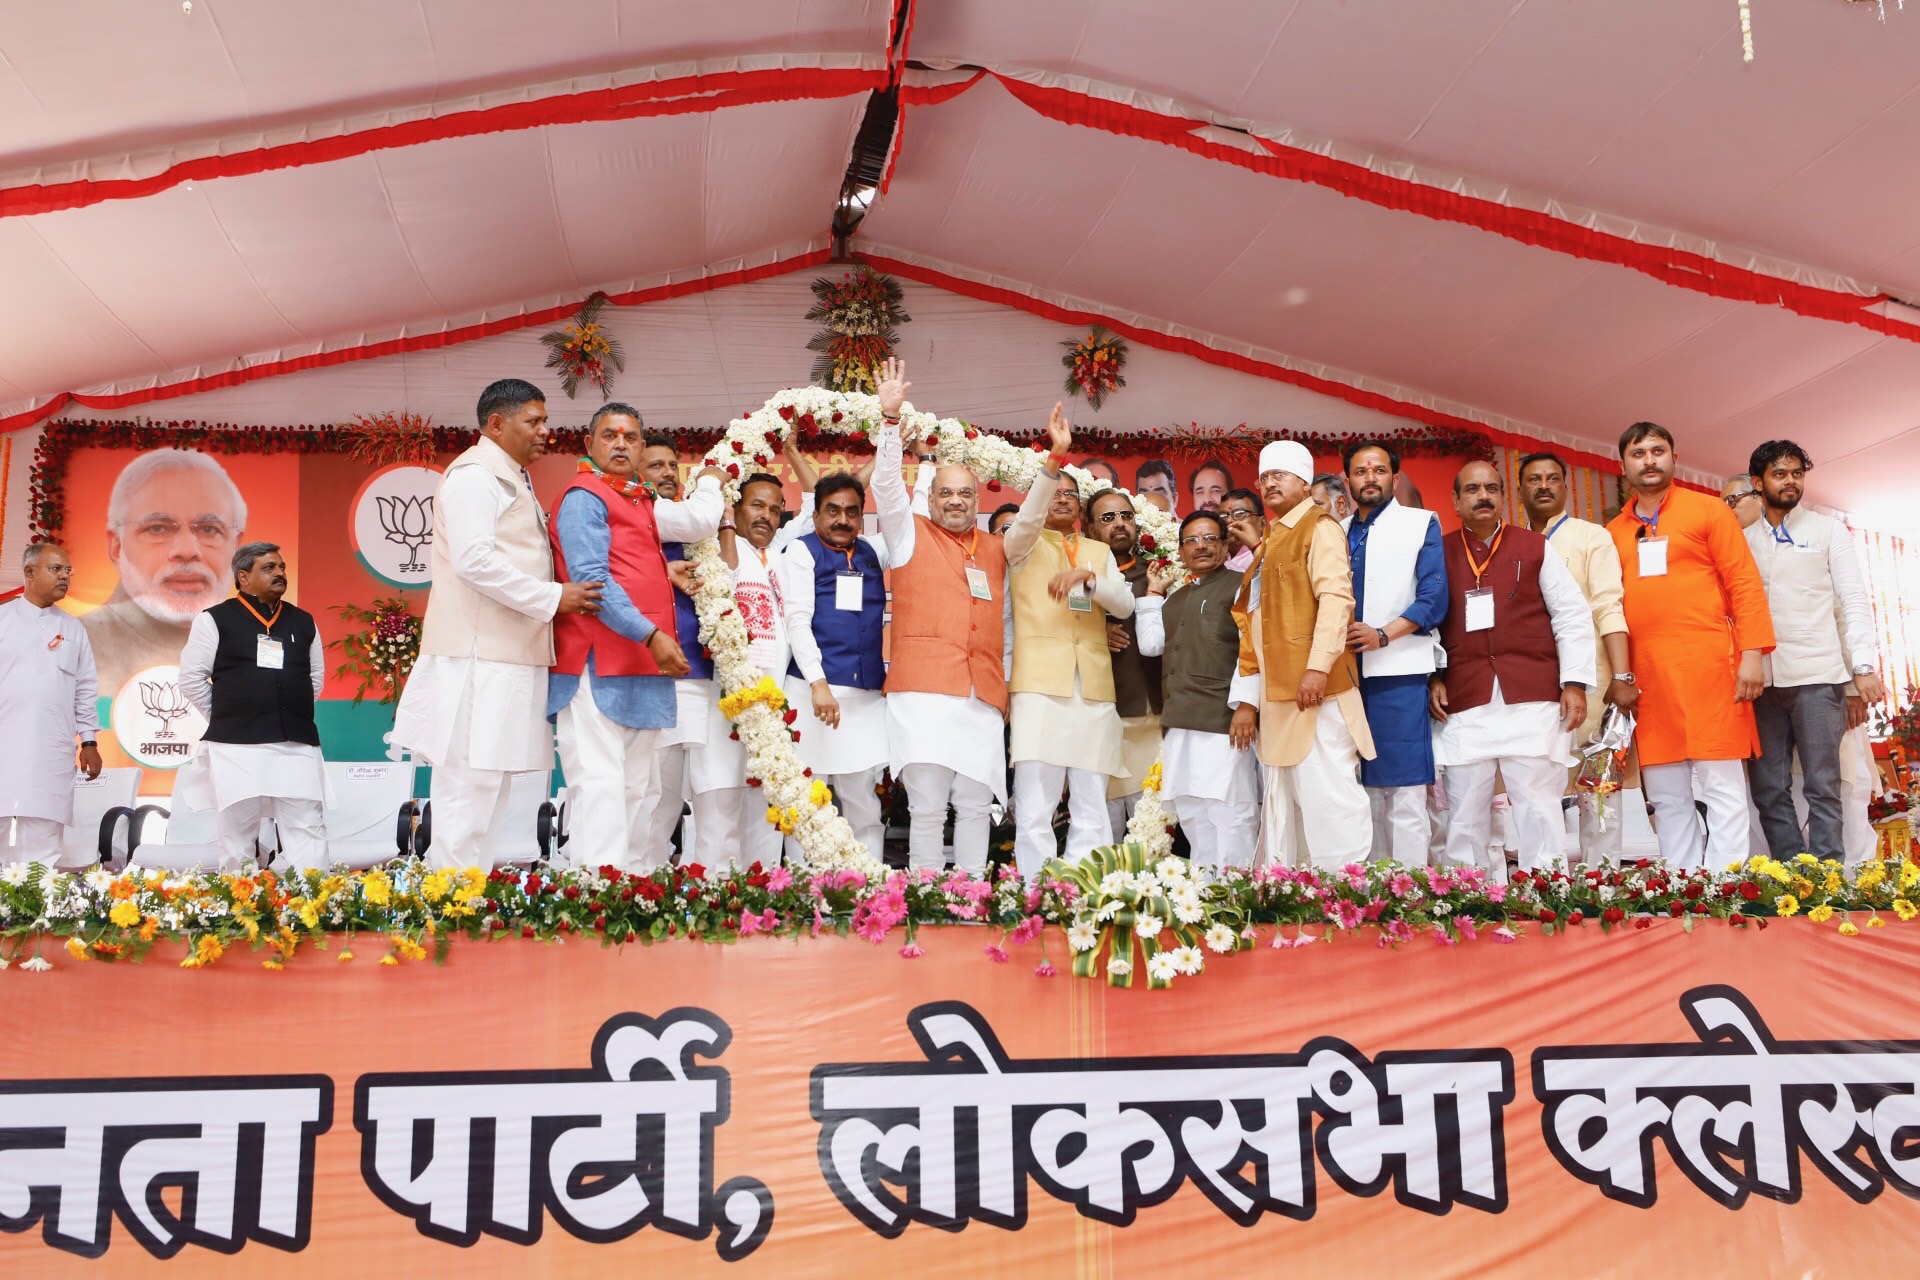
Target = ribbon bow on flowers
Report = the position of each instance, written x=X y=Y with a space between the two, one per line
x=1126 y=899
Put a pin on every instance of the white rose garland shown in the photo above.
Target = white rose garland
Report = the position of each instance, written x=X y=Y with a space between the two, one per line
x=795 y=800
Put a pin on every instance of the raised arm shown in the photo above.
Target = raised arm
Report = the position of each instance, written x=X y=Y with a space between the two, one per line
x=1024 y=533
x=892 y=508
x=695 y=516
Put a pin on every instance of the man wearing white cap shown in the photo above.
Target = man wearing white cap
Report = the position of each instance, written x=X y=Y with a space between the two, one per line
x=1297 y=691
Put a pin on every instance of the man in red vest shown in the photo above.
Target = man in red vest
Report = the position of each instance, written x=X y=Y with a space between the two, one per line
x=1520 y=659
x=611 y=691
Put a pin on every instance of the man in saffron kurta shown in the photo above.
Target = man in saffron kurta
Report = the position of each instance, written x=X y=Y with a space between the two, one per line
x=1698 y=624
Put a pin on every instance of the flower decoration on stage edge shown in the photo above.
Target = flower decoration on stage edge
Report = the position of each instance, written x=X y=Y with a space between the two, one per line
x=584 y=350
x=861 y=310
x=1111 y=904
x=380 y=654
x=385 y=438
x=1094 y=363
x=750 y=444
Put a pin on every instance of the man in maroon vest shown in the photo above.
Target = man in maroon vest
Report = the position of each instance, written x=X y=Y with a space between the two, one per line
x=1520 y=658
x=611 y=690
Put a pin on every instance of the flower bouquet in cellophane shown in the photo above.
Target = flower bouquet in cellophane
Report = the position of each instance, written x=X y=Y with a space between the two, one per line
x=1603 y=762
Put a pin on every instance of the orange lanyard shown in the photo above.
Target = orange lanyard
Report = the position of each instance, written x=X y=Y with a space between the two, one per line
x=1128 y=565
x=265 y=622
x=848 y=553
x=763 y=555
x=1071 y=542
x=973 y=540
x=1480 y=566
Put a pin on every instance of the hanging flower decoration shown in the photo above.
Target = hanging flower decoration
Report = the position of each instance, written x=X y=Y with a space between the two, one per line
x=1094 y=364
x=381 y=653
x=384 y=439
x=585 y=350
x=861 y=310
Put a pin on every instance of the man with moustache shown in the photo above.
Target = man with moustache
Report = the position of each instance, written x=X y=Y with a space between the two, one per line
x=1209 y=484
x=1698 y=628
x=1520 y=656
x=1589 y=554
x=1136 y=674
x=1330 y=495
x=836 y=616
x=1296 y=696
x=1246 y=527
x=1400 y=599
x=729 y=813
x=1824 y=652
x=253 y=666
x=1211 y=784
x=611 y=691
x=475 y=706
x=1154 y=480
x=946 y=687
x=1743 y=499
x=48 y=702
x=174 y=517
x=1066 y=728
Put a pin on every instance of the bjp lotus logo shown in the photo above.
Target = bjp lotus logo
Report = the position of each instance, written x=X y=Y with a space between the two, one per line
x=409 y=522
x=163 y=702
x=153 y=722
x=392 y=523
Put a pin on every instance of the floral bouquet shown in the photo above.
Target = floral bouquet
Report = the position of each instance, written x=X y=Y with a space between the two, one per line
x=861 y=310
x=584 y=350
x=1123 y=900
x=1094 y=363
x=1603 y=762
x=382 y=652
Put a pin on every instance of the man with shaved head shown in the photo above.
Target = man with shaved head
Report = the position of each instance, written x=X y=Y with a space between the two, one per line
x=946 y=687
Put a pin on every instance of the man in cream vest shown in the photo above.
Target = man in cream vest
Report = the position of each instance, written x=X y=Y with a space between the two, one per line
x=1813 y=583
x=475 y=707
x=1066 y=728
x=1399 y=599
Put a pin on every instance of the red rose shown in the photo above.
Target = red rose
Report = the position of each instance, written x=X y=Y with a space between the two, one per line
x=993 y=486
x=533 y=884
x=786 y=412
x=806 y=773
x=571 y=891
x=1548 y=915
x=1147 y=543
x=733 y=469
x=791 y=715
x=739 y=447
x=566 y=926
x=526 y=931
x=695 y=872
x=1749 y=890
x=1643 y=923
x=1676 y=908
x=1576 y=917
x=1693 y=890
x=836 y=416
x=600 y=923
x=1700 y=910
x=753 y=782
x=1613 y=915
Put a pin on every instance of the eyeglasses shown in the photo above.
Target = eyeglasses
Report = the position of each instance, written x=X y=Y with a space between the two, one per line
x=1735 y=499
x=160 y=530
x=1108 y=517
x=1200 y=540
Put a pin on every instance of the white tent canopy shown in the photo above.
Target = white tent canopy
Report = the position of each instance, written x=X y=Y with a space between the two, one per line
x=1550 y=219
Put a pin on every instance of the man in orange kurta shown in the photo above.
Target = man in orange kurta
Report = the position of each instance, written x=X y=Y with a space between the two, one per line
x=1697 y=625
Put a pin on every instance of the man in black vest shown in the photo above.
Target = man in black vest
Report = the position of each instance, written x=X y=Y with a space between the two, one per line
x=253 y=666
x=1136 y=677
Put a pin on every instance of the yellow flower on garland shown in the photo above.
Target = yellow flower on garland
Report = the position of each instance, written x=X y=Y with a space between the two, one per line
x=377 y=888
x=735 y=704
x=1152 y=782
x=77 y=949
x=436 y=885
x=821 y=794
x=124 y=913
x=1909 y=875
x=1820 y=914
x=408 y=948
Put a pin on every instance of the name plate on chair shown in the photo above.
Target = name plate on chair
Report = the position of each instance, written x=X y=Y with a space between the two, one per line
x=84 y=784
x=369 y=772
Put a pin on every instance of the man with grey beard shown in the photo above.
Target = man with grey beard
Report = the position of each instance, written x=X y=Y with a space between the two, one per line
x=174 y=518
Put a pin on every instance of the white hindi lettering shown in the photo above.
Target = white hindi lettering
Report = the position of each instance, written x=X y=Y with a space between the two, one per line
x=606 y=1151
x=75 y=1154
x=961 y=1133
x=1735 y=1110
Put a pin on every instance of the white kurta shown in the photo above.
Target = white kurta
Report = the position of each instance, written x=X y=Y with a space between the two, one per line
x=1194 y=763
x=720 y=762
x=506 y=728
x=965 y=735
x=48 y=699
x=1521 y=730
x=222 y=774
x=860 y=742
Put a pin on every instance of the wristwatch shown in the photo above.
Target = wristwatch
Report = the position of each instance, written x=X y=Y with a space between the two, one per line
x=1865 y=669
x=1624 y=677
x=1384 y=642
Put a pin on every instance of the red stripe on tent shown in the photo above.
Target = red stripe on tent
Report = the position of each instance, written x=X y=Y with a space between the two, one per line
x=421 y=342
x=1231 y=360
x=1676 y=267
x=679 y=96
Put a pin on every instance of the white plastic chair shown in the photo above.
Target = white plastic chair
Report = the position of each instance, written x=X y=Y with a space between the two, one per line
x=99 y=805
x=186 y=839
x=371 y=817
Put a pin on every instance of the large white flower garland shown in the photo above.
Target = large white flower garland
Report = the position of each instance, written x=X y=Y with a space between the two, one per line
x=754 y=701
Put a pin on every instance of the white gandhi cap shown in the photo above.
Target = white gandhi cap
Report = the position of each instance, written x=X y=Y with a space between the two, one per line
x=1287 y=455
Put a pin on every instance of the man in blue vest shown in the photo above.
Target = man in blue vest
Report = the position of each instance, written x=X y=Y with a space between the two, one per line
x=1399 y=599
x=836 y=613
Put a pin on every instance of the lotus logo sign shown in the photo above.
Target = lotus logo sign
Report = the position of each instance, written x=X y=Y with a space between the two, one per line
x=152 y=720
x=393 y=524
